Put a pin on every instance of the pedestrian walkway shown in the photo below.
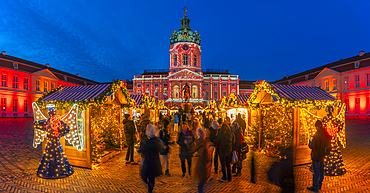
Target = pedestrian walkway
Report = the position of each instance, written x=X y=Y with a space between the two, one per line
x=19 y=161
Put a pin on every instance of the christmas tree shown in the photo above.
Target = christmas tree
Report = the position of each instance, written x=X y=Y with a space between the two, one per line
x=333 y=163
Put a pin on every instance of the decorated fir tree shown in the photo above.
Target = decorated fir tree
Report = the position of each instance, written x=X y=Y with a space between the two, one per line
x=333 y=163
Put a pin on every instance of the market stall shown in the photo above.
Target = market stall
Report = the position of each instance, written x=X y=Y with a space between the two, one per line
x=174 y=109
x=280 y=119
x=98 y=118
x=233 y=105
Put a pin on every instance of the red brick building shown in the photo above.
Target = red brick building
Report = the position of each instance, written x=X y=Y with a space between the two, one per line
x=23 y=82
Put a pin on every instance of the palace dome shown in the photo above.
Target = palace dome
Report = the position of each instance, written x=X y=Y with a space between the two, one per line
x=185 y=34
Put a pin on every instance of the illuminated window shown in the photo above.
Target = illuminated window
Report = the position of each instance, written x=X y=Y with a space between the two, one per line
x=357 y=104
x=3 y=104
x=37 y=85
x=4 y=80
x=195 y=60
x=139 y=92
x=347 y=104
x=195 y=91
x=15 y=105
x=319 y=84
x=45 y=86
x=334 y=84
x=346 y=83
x=25 y=106
x=184 y=59
x=357 y=81
x=175 y=60
x=367 y=79
x=25 y=86
x=176 y=92
x=326 y=85
x=15 y=81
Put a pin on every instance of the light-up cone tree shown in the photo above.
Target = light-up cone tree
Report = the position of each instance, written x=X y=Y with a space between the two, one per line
x=334 y=126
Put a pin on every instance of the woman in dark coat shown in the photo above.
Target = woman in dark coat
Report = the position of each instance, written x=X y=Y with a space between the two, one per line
x=150 y=149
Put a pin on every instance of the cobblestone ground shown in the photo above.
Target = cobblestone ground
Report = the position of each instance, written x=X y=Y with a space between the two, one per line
x=19 y=161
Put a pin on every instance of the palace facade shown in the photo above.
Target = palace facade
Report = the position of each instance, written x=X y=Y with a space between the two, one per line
x=23 y=82
x=347 y=79
x=186 y=68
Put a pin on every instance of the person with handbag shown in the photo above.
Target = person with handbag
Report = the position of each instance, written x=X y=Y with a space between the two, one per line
x=238 y=165
x=129 y=129
x=165 y=137
x=185 y=140
x=225 y=143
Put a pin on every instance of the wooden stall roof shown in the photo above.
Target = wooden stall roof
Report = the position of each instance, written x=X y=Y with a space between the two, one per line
x=291 y=96
x=87 y=95
x=301 y=92
x=137 y=98
x=78 y=93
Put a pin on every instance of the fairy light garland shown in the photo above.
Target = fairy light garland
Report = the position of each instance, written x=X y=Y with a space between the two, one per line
x=94 y=102
x=285 y=102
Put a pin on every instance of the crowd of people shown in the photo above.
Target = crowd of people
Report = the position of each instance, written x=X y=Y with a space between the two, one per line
x=211 y=138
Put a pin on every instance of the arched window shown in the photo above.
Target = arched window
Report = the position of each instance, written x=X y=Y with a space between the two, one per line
x=185 y=59
x=175 y=60
x=156 y=94
x=194 y=92
x=176 y=91
x=195 y=60
x=139 y=92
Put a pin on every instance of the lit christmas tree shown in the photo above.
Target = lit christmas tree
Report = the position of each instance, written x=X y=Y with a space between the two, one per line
x=334 y=127
x=333 y=163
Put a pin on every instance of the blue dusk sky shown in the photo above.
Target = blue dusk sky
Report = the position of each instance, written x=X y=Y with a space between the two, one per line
x=117 y=39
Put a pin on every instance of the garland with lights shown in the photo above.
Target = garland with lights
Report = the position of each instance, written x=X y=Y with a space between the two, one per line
x=105 y=131
x=285 y=102
x=94 y=102
x=278 y=129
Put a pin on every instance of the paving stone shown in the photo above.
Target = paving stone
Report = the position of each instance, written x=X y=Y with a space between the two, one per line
x=19 y=162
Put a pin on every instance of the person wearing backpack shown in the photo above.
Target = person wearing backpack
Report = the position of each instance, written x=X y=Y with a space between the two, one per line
x=319 y=152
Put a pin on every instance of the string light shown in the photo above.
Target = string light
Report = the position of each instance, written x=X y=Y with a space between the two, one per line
x=94 y=102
